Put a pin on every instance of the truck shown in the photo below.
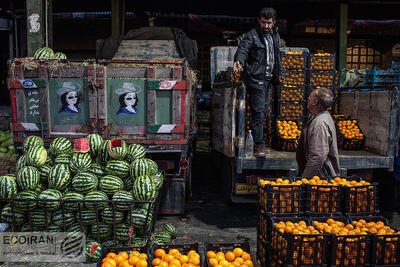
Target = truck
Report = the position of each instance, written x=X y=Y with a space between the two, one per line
x=147 y=101
x=377 y=112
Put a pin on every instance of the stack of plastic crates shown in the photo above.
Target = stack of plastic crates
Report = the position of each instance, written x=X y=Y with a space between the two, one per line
x=376 y=77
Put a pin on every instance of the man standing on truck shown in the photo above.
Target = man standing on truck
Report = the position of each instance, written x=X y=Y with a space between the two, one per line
x=317 y=151
x=258 y=53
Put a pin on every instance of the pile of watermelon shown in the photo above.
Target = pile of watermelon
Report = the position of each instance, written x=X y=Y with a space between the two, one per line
x=48 y=53
x=7 y=145
x=90 y=169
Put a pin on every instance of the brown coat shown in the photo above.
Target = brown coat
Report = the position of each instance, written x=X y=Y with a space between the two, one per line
x=317 y=152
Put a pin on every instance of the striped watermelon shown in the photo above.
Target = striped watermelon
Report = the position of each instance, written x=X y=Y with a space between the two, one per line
x=102 y=230
x=153 y=167
x=119 y=168
x=49 y=160
x=44 y=172
x=162 y=238
x=117 y=149
x=96 y=195
x=26 y=205
x=52 y=228
x=111 y=184
x=73 y=196
x=122 y=196
x=8 y=186
x=81 y=145
x=144 y=188
x=12 y=216
x=58 y=219
x=138 y=168
x=21 y=162
x=60 y=55
x=39 y=217
x=95 y=141
x=102 y=154
x=28 y=178
x=139 y=218
x=59 y=177
x=135 y=151
x=128 y=184
x=92 y=252
x=36 y=156
x=63 y=159
x=87 y=217
x=80 y=162
x=44 y=53
x=122 y=232
x=39 y=188
x=170 y=229
x=76 y=228
x=158 y=179
x=50 y=194
x=84 y=182
x=138 y=242
x=27 y=228
x=60 y=145
x=96 y=169
x=109 y=216
x=31 y=141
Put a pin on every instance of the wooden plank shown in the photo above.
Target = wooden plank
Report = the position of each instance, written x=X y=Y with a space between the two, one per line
x=35 y=25
x=381 y=101
x=44 y=109
x=20 y=102
x=151 y=107
x=117 y=17
x=69 y=71
x=176 y=107
x=146 y=50
x=126 y=72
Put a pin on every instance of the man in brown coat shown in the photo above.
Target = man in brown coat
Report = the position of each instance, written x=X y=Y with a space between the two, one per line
x=317 y=152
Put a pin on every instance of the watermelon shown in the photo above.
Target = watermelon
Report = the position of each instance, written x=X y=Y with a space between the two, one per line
x=117 y=149
x=138 y=242
x=109 y=216
x=60 y=219
x=73 y=196
x=39 y=217
x=144 y=188
x=96 y=169
x=49 y=161
x=80 y=162
x=128 y=184
x=135 y=151
x=158 y=179
x=92 y=252
x=44 y=172
x=8 y=186
x=60 y=145
x=52 y=228
x=123 y=233
x=11 y=216
x=138 y=168
x=139 y=219
x=153 y=167
x=44 y=53
x=59 y=177
x=84 y=182
x=119 y=168
x=36 y=156
x=102 y=154
x=81 y=145
x=27 y=228
x=170 y=229
x=63 y=159
x=87 y=217
x=96 y=195
x=111 y=184
x=162 y=238
x=60 y=55
x=21 y=162
x=50 y=194
x=95 y=141
x=102 y=230
x=26 y=205
x=39 y=188
x=28 y=178
x=120 y=197
x=31 y=141
x=76 y=228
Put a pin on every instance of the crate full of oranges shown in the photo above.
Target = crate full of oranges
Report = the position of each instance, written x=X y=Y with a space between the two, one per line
x=125 y=257
x=229 y=255
x=294 y=60
x=350 y=136
x=288 y=131
x=187 y=255
x=322 y=61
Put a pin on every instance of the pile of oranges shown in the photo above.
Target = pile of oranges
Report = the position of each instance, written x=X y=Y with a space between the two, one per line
x=288 y=129
x=297 y=228
x=174 y=258
x=350 y=130
x=123 y=259
x=315 y=181
x=235 y=258
x=344 y=182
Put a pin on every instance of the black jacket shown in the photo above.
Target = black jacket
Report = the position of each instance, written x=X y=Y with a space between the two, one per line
x=251 y=54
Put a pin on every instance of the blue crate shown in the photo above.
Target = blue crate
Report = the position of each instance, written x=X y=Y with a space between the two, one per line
x=375 y=77
x=396 y=65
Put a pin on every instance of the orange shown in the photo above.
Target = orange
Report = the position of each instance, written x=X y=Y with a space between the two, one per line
x=224 y=263
x=246 y=256
x=220 y=257
x=195 y=254
x=190 y=265
x=191 y=252
x=175 y=262
x=239 y=260
x=133 y=260
x=141 y=263
x=111 y=255
x=163 y=264
x=168 y=258
x=173 y=265
x=118 y=259
x=124 y=254
x=213 y=261
x=173 y=251
x=125 y=263
x=248 y=263
x=143 y=256
x=184 y=259
x=194 y=260
x=159 y=253
x=109 y=261
x=350 y=226
x=155 y=262
x=107 y=264
x=230 y=256
x=236 y=264
x=134 y=253
x=220 y=253
x=211 y=254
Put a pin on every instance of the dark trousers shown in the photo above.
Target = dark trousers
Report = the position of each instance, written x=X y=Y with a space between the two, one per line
x=259 y=106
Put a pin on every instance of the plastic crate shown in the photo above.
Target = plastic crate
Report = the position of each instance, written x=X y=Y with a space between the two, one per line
x=182 y=248
x=263 y=250
x=292 y=61
x=322 y=62
x=225 y=247
x=291 y=110
x=322 y=200
x=286 y=144
x=292 y=93
x=295 y=78
x=298 y=250
x=280 y=200
x=349 y=143
x=385 y=249
x=322 y=79
x=116 y=250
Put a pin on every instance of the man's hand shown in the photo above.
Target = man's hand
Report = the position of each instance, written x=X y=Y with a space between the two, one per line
x=237 y=67
x=296 y=143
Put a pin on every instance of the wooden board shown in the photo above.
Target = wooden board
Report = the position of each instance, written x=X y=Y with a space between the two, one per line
x=146 y=49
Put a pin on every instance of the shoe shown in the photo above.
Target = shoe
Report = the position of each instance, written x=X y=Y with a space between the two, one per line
x=260 y=153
